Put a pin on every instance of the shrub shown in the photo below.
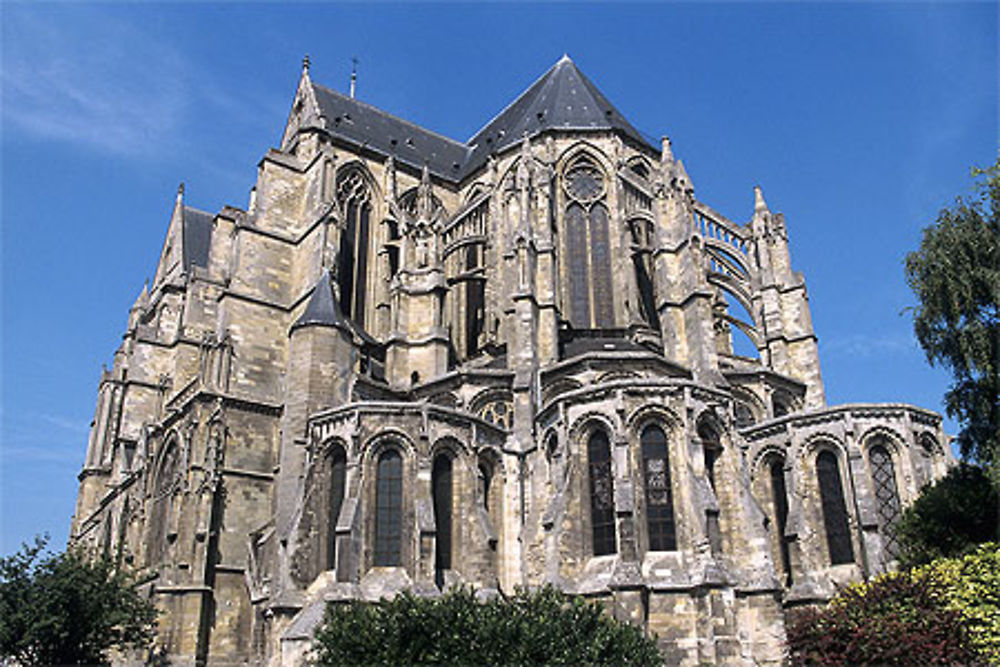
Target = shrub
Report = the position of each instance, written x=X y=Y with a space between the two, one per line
x=971 y=586
x=949 y=518
x=544 y=627
x=68 y=609
x=897 y=619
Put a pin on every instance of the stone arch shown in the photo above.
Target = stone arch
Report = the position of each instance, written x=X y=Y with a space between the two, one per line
x=387 y=437
x=652 y=413
x=557 y=387
x=615 y=375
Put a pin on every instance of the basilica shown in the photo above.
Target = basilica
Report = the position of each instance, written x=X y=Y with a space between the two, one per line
x=533 y=357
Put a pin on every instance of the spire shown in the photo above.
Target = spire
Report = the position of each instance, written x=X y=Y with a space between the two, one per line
x=666 y=151
x=354 y=74
x=681 y=178
x=759 y=205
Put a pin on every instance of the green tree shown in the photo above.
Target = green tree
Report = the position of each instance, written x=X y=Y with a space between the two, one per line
x=541 y=628
x=66 y=608
x=955 y=275
x=949 y=518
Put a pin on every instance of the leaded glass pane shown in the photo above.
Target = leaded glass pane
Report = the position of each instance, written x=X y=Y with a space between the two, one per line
x=838 y=533
x=345 y=270
x=779 y=496
x=577 y=271
x=361 y=252
x=388 y=509
x=600 y=265
x=441 y=484
x=886 y=495
x=338 y=475
x=602 y=494
x=659 y=497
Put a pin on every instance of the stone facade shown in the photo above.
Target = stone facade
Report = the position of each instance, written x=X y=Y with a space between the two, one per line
x=413 y=362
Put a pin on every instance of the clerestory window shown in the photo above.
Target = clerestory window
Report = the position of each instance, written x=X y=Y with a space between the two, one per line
x=831 y=492
x=389 y=509
x=602 y=494
x=588 y=249
x=353 y=260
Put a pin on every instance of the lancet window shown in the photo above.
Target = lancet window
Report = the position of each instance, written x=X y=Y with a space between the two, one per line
x=711 y=450
x=886 y=493
x=441 y=483
x=831 y=492
x=163 y=496
x=659 y=496
x=354 y=197
x=779 y=499
x=588 y=249
x=642 y=260
x=602 y=494
x=337 y=466
x=389 y=509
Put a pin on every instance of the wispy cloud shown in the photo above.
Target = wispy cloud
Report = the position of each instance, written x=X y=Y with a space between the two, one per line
x=112 y=88
x=869 y=345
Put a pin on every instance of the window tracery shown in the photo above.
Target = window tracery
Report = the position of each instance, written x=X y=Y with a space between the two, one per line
x=499 y=413
x=588 y=250
x=354 y=197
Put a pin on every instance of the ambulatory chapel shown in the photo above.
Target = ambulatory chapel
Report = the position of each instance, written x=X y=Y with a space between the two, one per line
x=533 y=357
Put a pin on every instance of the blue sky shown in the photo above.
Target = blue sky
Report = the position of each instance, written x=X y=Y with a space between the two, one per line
x=860 y=121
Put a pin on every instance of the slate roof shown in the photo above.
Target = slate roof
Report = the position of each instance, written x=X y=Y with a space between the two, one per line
x=197 y=231
x=322 y=309
x=364 y=124
x=562 y=98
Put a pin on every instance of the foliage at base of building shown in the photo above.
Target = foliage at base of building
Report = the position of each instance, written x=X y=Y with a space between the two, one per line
x=545 y=627
x=68 y=608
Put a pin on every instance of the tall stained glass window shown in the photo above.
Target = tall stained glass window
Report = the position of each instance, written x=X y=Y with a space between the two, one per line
x=441 y=484
x=335 y=495
x=352 y=272
x=831 y=492
x=779 y=496
x=659 y=496
x=389 y=508
x=602 y=494
x=588 y=247
x=886 y=494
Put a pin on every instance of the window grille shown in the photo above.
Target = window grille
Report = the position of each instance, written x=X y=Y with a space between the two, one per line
x=659 y=495
x=838 y=533
x=388 y=509
x=602 y=494
x=886 y=495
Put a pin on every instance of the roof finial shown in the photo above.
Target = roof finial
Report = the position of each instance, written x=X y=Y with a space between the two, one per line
x=667 y=151
x=305 y=64
x=565 y=58
x=180 y=193
x=354 y=74
x=759 y=205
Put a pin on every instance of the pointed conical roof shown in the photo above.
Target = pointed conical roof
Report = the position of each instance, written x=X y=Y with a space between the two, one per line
x=563 y=98
x=322 y=309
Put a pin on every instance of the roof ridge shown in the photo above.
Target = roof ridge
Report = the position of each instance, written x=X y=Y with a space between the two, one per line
x=394 y=116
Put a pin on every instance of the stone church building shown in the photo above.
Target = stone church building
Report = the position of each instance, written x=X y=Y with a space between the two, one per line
x=533 y=357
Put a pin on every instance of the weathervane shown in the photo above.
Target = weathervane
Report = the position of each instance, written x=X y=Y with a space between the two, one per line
x=354 y=74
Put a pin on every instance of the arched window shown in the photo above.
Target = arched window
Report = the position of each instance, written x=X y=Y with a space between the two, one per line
x=642 y=259
x=441 y=484
x=352 y=276
x=659 y=496
x=831 y=492
x=588 y=249
x=335 y=500
x=712 y=450
x=886 y=494
x=475 y=300
x=163 y=497
x=389 y=509
x=779 y=498
x=602 y=494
